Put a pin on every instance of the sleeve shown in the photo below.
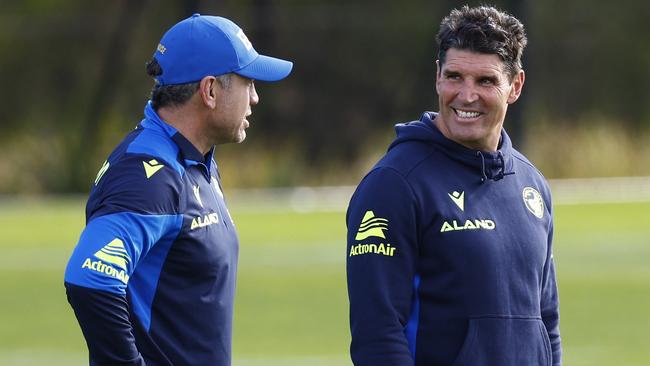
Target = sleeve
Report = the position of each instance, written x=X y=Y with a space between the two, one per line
x=105 y=324
x=550 y=304
x=129 y=216
x=381 y=265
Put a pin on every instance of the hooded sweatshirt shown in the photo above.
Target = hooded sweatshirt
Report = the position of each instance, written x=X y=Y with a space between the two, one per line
x=449 y=258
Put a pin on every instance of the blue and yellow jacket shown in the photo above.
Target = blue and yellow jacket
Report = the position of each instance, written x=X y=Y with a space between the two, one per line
x=152 y=278
x=449 y=258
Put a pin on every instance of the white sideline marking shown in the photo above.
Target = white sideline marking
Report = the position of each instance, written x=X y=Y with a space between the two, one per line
x=330 y=198
x=600 y=190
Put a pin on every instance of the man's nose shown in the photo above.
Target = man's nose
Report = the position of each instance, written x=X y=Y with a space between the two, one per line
x=254 y=98
x=468 y=93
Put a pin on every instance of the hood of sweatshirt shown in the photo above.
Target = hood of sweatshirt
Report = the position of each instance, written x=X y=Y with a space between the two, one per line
x=488 y=165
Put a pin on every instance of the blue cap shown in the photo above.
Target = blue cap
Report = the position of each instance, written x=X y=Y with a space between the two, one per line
x=203 y=45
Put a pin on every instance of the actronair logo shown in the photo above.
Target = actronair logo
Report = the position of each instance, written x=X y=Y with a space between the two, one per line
x=371 y=226
x=114 y=254
x=383 y=249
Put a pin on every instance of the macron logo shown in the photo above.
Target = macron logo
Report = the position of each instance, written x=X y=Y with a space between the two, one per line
x=197 y=194
x=458 y=198
x=151 y=167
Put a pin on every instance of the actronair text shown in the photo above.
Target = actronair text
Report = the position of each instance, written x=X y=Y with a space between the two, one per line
x=101 y=267
x=381 y=249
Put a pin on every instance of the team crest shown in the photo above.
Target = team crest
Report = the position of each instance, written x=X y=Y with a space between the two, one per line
x=533 y=201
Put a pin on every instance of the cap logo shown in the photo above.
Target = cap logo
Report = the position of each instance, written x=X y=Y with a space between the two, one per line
x=161 y=49
x=242 y=37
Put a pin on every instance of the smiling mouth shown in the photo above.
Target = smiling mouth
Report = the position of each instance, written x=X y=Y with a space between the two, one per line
x=466 y=114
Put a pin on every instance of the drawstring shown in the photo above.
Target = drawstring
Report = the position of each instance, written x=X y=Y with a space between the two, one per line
x=483 y=175
x=502 y=172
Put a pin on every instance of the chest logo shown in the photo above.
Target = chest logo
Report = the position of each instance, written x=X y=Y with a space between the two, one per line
x=197 y=194
x=151 y=167
x=371 y=226
x=458 y=225
x=533 y=201
x=205 y=220
x=458 y=198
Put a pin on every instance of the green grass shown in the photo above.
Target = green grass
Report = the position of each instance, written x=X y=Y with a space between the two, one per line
x=291 y=305
x=603 y=263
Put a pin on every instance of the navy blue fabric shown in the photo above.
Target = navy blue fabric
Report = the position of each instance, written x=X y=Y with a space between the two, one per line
x=457 y=269
x=152 y=278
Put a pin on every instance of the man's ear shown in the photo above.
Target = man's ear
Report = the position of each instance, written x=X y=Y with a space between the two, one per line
x=517 y=85
x=208 y=91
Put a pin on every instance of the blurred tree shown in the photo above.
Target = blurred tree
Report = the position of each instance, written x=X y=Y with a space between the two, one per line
x=106 y=87
x=74 y=80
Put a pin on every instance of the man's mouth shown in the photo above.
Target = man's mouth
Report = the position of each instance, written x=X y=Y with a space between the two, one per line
x=466 y=114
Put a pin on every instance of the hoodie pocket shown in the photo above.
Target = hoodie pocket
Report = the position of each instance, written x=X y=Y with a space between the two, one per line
x=505 y=341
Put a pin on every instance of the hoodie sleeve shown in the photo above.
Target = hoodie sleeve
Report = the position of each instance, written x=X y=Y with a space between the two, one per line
x=129 y=215
x=550 y=304
x=381 y=266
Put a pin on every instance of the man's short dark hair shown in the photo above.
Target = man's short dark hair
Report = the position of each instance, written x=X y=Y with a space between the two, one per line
x=483 y=29
x=168 y=95
x=173 y=95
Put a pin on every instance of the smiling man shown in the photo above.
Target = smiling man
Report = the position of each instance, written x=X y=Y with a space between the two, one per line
x=449 y=257
x=152 y=278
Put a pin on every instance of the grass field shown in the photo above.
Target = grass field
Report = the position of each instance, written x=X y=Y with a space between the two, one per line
x=291 y=305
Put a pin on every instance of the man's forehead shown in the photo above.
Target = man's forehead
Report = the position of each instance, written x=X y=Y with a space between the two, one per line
x=469 y=61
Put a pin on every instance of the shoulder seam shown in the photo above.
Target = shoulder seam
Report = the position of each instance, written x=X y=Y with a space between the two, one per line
x=403 y=178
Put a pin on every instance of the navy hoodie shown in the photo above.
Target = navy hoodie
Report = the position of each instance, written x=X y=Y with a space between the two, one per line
x=449 y=257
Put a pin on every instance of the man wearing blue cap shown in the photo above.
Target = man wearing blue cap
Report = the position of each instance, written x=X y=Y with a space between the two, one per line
x=152 y=278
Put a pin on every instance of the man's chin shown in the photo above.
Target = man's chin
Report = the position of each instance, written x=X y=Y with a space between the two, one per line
x=240 y=138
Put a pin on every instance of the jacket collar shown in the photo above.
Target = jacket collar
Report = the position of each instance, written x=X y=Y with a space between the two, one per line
x=188 y=154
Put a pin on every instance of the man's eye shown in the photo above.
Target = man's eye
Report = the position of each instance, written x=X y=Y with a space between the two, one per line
x=487 y=81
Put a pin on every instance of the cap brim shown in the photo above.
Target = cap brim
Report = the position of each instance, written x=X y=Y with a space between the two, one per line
x=266 y=68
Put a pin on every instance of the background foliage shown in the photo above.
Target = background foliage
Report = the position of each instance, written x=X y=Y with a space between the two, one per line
x=74 y=83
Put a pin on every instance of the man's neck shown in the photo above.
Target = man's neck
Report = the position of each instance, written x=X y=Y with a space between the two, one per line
x=186 y=122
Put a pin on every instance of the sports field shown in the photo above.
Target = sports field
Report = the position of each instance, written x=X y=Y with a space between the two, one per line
x=291 y=306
